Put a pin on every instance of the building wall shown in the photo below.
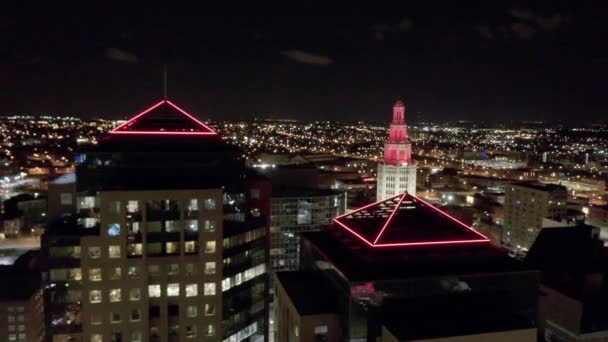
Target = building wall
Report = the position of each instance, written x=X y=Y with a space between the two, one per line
x=61 y=200
x=525 y=208
x=395 y=179
x=292 y=327
x=558 y=313
x=23 y=320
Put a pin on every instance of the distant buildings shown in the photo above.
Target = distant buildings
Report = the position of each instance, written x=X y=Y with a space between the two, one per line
x=169 y=241
x=401 y=270
x=397 y=172
x=527 y=208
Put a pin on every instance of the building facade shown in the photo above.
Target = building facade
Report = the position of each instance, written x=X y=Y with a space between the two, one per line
x=294 y=211
x=397 y=171
x=526 y=205
x=169 y=241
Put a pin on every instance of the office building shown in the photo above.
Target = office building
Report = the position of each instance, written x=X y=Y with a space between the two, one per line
x=403 y=266
x=530 y=207
x=397 y=170
x=169 y=241
x=294 y=211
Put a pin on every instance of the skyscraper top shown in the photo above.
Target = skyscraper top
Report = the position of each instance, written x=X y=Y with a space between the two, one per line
x=399 y=103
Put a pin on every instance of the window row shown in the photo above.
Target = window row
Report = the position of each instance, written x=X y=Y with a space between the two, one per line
x=167 y=226
x=135 y=206
x=154 y=291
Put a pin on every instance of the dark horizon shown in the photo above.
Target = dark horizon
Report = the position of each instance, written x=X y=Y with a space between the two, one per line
x=476 y=61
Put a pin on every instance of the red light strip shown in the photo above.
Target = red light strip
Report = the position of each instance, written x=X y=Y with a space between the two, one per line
x=366 y=206
x=452 y=217
x=126 y=124
x=430 y=243
x=390 y=218
x=354 y=233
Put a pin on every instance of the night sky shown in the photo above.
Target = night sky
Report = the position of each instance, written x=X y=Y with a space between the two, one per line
x=487 y=60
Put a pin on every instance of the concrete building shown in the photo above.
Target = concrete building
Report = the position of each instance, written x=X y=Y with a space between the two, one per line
x=526 y=205
x=21 y=304
x=294 y=211
x=169 y=241
x=397 y=171
x=404 y=263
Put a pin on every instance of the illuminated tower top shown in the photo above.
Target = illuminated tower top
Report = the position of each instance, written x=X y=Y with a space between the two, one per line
x=397 y=150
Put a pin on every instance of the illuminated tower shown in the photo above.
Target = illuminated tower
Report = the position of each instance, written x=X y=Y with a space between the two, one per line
x=397 y=172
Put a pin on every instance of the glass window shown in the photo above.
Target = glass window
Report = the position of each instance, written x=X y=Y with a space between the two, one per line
x=193 y=204
x=66 y=198
x=154 y=291
x=172 y=247
x=115 y=317
x=94 y=252
x=173 y=269
x=115 y=273
x=136 y=336
x=191 y=311
x=114 y=207
x=135 y=294
x=210 y=204
x=173 y=290
x=191 y=226
x=209 y=309
x=96 y=338
x=95 y=296
x=190 y=269
x=95 y=274
x=115 y=295
x=134 y=249
x=209 y=289
x=132 y=206
x=321 y=330
x=210 y=267
x=114 y=251
x=154 y=270
x=135 y=315
x=134 y=271
x=210 y=247
x=209 y=226
x=96 y=318
x=114 y=229
x=190 y=247
x=171 y=226
x=191 y=290
x=210 y=331
x=190 y=331
x=154 y=248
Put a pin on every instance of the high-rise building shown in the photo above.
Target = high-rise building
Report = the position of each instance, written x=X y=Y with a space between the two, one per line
x=169 y=241
x=530 y=207
x=298 y=210
x=397 y=171
x=404 y=267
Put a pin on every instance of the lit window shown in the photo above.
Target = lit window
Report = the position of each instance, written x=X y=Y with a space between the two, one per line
x=114 y=207
x=190 y=269
x=135 y=294
x=190 y=247
x=210 y=267
x=193 y=204
x=191 y=226
x=209 y=226
x=135 y=249
x=66 y=198
x=96 y=338
x=190 y=331
x=94 y=252
x=96 y=318
x=132 y=206
x=95 y=296
x=210 y=331
x=255 y=212
x=173 y=269
x=115 y=295
x=134 y=271
x=136 y=336
x=115 y=273
x=191 y=311
x=171 y=226
x=172 y=247
x=210 y=247
x=135 y=315
x=115 y=317
x=191 y=290
x=154 y=291
x=114 y=229
x=173 y=290
x=209 y=309
x=95 y=274
x=114 y=251
x=321 y=331
x=210 y=204
x=209 y=289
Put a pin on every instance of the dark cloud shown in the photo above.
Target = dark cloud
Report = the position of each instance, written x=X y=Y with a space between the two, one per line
x=119 y=55
x=307 y=57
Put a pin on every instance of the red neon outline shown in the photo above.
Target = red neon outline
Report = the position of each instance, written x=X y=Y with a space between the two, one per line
x=406 y=244
x=390 y=217
x=118 y=131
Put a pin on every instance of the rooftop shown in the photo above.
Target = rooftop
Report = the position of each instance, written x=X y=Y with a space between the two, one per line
x=289 y=192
